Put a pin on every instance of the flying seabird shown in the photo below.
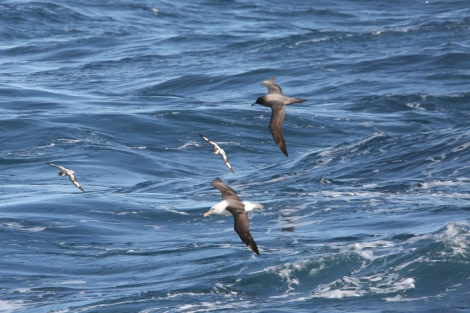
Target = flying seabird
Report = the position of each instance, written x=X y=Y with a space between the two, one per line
x=218 y=150
x=276 y=100
x=70 y=173
x=231 y=204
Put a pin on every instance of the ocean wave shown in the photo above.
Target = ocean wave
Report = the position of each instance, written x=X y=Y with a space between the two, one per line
x=369 y=212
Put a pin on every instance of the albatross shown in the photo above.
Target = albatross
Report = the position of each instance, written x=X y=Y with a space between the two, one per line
x=231 y=204
x=67 y=172
x=276 y=100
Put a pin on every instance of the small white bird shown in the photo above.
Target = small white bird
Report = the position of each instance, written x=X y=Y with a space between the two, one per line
x=218 y=150
x=70 y=173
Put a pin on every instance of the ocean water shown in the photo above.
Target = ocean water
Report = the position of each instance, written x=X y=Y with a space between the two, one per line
x=369 y=213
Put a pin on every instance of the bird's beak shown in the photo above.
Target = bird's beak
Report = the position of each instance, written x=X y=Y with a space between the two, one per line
x=207 y=213
x=253 y=104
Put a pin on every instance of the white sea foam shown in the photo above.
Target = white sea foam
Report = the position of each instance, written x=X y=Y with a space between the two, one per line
x=187 y=145
x=310 y=41
x=415 y=105
x=7 y=306
x=67 y=140
x=287 y=272
x=62 y=311
x=461 y=147
x=437 y=183
x=378 y=284
x=455 y=237
x=177 y=212
x=394 y=286
x=136 y=147
x=366 y=249
x=73 y=282
x=14 y=225
x=351 y=147
x=46 y=146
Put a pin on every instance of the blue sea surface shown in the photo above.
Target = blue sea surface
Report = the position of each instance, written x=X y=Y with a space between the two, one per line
x=370 y=212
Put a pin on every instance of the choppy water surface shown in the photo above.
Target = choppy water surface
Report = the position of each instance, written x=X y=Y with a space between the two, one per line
x=369 y=213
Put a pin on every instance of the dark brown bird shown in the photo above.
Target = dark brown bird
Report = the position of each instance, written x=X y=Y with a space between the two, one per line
x=276 y=100
x=231 y=204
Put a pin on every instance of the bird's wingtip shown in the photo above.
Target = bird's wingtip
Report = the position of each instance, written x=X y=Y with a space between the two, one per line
x=254 y=248
x=215 y=180
x=270 y=80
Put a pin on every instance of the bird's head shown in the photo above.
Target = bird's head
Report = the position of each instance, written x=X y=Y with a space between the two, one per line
x=260 y=100
x=218 y=208
x=209 y=212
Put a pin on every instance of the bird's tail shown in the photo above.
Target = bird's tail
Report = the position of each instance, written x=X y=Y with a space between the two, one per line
x=249 y=206
x=295 y=100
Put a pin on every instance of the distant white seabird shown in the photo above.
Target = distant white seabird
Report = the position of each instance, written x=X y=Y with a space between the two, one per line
x=231 y=204
x=276 y=100
x=218 y=150
x=70 y=173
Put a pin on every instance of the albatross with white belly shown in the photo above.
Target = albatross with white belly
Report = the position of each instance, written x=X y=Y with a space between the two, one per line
x=231 y=204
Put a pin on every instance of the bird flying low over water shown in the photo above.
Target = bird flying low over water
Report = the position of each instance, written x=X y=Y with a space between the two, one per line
x=218 y=150
x=70 y=173
x=276 y=100
x=231 y=204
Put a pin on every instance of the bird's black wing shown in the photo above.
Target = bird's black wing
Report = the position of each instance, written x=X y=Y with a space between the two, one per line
x=227 y=192
x=242 y=226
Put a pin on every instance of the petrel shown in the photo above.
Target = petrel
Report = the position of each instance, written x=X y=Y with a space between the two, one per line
x=231 y=204
x=218 y=150
x=276 y=100
x=70 y=173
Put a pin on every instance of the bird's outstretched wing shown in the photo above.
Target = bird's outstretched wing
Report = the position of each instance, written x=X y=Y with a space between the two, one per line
x=242 y=227
x=209 y=141
x=272 y=87
x=58 y=166
x=227 y=192
x=275 y=126
x=225 y=159
x=75 y=182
